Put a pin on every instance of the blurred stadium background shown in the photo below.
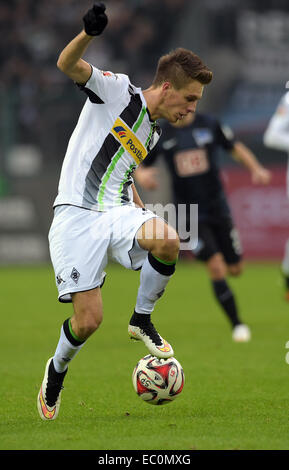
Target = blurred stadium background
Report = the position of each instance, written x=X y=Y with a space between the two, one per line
x=245 y=43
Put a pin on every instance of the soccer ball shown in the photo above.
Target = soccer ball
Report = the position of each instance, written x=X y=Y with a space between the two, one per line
x=158 y=381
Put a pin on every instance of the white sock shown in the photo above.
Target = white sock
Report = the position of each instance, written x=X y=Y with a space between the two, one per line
x=65 y=350
x=154 y=277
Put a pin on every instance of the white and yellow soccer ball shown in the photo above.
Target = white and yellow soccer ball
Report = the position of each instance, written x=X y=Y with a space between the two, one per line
x=158 y=381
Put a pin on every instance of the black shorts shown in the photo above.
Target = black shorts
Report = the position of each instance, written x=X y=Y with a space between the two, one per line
x=218 y=237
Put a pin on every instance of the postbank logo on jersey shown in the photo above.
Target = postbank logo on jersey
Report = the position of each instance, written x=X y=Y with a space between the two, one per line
x=120 y=131
x=129 y=141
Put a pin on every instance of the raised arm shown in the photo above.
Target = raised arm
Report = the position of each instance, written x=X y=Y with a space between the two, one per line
x=70 y=61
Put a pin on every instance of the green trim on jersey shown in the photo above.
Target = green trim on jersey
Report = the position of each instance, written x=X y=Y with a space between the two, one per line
x=140 y=119
x=114 y=161
x=107 y=176
x=150 y=136
x=133 y=165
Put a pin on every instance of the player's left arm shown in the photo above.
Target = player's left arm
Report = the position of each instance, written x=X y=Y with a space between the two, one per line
x=244 y=155
x=136 y=198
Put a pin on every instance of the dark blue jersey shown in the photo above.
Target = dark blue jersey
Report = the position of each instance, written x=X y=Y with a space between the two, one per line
x=192 y=156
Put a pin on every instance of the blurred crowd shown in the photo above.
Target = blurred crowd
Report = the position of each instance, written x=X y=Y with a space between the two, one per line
x=39 y=102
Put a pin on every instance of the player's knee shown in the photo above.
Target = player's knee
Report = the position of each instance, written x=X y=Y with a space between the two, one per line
x=87 y=321
x=87 y=312
x=168 y=248
x=172 y=245
x=88 y=325
x=218 y=273
x=160 y=239
x=235 y=269
x=217 y=267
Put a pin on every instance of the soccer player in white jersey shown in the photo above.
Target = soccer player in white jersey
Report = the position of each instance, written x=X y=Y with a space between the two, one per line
x=97 y=212
x=277 y=136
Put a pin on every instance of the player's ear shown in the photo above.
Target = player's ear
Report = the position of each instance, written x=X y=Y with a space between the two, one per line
x=166 y=86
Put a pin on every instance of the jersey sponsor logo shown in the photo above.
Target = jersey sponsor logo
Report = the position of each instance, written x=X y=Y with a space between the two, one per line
x=191 y=162
x=120 y=131
x=129 y=141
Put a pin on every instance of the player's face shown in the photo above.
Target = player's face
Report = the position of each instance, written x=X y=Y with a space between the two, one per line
x=179 y=103
x=185 y=121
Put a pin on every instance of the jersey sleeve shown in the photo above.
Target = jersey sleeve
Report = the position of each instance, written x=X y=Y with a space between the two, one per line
x=277 y=133
x=224 y=136
x=105 y=87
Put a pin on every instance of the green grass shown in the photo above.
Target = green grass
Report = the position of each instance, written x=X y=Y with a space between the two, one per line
x=235 y=395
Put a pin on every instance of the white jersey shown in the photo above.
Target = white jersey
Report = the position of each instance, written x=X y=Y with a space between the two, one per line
x=113 y=135
x=277 y=133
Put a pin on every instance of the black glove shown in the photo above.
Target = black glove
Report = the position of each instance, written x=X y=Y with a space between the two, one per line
x=95 y=20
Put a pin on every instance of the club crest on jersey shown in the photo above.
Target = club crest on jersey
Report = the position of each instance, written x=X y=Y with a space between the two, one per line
x=129 y=141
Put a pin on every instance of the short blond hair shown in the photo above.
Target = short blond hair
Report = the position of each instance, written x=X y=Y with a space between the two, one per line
x=179 y=67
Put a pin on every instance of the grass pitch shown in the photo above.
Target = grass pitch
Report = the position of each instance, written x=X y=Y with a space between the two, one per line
x=235 y=395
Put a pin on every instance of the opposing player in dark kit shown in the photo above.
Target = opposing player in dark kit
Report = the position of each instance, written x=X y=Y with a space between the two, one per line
x=190 y=148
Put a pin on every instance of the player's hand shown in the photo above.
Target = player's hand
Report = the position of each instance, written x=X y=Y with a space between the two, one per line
x=95 y=20
x=261 y=176
x=147 y=177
